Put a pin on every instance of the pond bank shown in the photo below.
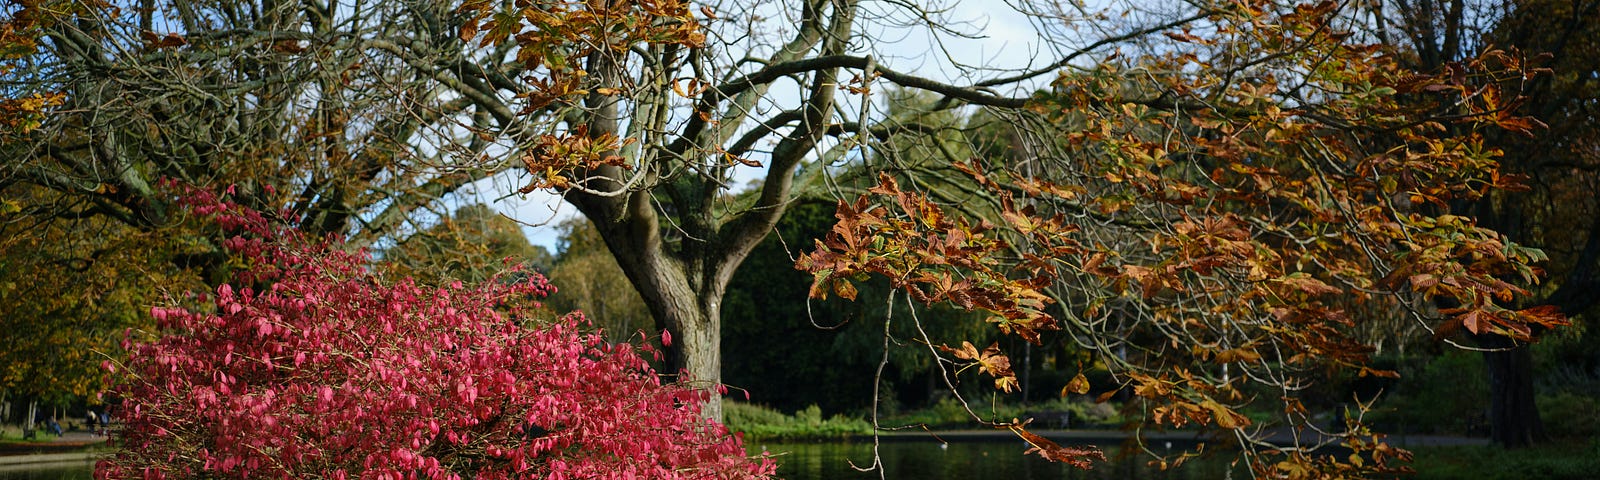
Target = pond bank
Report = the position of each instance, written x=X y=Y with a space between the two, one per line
x=66 y=448
x=43 y=458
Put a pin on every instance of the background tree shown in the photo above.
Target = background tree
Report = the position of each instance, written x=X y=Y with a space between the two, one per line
x=592 y=282
x=70 y=284
x=1197 y=121
x=659 y=131
x=472 y=244
x=1557 y=211
x=795 y=351
x=1558 y=214
x=352 y=119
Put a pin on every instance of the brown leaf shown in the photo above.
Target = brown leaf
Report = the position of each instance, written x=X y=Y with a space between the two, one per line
x=844 y=289
x=1078 y=457
x=1224 y=416
x=966 y=352
x=1078 y=386
x=1423 y=281
x=1473 y=320
x=1308 y=284
x=1242 y=354
x=155 y=41
x=994 y=362
x=1186 y=38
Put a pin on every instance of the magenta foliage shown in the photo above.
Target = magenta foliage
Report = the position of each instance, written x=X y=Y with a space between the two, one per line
x=329 y=372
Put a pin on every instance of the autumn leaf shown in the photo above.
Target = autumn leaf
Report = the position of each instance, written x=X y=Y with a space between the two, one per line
x=1078 y=457
x=844 y=289
x=993 y=361
x=1242 y=354
x=1301 y=282
x=159 y=41
x=1079 y=385
x=990 y=360
x=1225 y=417
x=1473 y=320
x=1007 y=384
x=1187 y=38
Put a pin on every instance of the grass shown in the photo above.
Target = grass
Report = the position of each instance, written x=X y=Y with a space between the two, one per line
x=1572 y=459
x=761 y=423
x=13 y=434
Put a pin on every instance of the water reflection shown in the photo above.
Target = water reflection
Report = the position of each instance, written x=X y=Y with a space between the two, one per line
x=965 y=460
x=909 y=460
x=83 y=470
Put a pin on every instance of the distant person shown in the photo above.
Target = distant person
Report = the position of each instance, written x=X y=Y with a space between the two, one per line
x=105 y=422
x=89 y=422
x=54 y=426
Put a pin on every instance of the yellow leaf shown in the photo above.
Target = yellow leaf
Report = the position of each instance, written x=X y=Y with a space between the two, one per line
x=844 y=289
x=1078 y=386
x=1224 y=416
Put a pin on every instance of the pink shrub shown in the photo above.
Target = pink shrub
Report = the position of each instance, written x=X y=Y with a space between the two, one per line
x=329 y=372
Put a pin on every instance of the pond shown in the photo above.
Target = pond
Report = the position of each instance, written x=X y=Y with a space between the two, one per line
x=927 y=460
x=80 y=470
x=921 y=460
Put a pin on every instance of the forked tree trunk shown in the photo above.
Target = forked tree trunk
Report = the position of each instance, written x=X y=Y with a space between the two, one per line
x=683 y=299
x=683 y=280
x=1513 y=416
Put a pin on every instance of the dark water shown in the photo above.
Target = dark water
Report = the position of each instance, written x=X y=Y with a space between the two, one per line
x=901 y=460
x=49 y=471
x=966 y=460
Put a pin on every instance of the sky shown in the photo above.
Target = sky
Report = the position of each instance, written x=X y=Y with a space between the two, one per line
x=1006 y=40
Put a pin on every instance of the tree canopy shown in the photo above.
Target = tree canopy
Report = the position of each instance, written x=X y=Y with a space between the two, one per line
x=1217 y=196
x=1224 y=206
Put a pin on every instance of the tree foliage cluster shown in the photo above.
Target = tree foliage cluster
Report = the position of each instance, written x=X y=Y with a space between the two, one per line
x=70 y=284
x=1218 y=205
x=471 y=244
x=1218 y=198
x=592 y=282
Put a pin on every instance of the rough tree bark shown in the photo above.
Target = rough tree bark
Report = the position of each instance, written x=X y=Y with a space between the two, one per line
x=684 y=279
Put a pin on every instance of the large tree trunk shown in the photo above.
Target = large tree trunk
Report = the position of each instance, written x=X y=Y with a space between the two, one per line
x=684 y=295
x=696 y=354
x=683 y=280
x=1513 y=418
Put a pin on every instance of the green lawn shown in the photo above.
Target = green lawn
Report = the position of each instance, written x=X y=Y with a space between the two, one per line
x=1572 y=459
